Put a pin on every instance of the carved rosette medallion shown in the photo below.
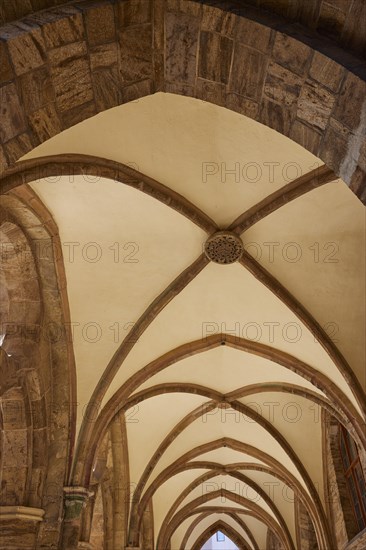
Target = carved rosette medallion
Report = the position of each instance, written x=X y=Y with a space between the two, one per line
x=224 y=247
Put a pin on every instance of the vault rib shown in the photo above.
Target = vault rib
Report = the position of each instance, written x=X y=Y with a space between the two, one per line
x=293 y=190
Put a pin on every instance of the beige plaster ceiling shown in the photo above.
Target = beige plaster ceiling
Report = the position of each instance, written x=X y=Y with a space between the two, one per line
x=187 y=145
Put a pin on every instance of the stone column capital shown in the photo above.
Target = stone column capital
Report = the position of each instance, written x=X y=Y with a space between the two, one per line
x=75 y=499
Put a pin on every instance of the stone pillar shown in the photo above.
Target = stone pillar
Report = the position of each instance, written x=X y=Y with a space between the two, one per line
x=19 y=527
x=75 y=499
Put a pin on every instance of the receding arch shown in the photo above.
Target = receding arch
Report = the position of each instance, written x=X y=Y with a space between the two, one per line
x=199 y=346
x=271 y=466
x=222 y=526
x=215 y=510
x=167 y=530
x=236 y=475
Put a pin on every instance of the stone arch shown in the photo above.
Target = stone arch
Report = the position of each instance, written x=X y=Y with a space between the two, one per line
x=340 y=505
x=41 y=356
x=224 y=528
x=20 y=297
x=15 y=446
x=171 y=357
x=231 y=512
x=314 y=96
x=25 y=423
x=191 y=508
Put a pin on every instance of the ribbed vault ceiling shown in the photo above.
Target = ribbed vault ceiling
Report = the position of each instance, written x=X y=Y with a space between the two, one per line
x=231 y=363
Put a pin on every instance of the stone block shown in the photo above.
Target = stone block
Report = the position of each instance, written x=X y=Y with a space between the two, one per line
x=253 y=34
x=282 y=85
x=248 y=72
x=242 y=105
x=100 y=24
x=315 y=105
x=36 y=89
x=326 y=71
x=12 y=117
x=307 y=137
x=291 y=53
x=3 y=160
x=63 y=30
x=104 y=55
x=181 y=38
x=71 y=75
x=6 y=71
x=216 y=20
x=351 y=101
x=276 y=116
x=212 y=92
x=27 y=51
x=18 y=146
x=215 y=57
x=134 y=12
x=106 y=87
x=45 y=123
x=136 y=53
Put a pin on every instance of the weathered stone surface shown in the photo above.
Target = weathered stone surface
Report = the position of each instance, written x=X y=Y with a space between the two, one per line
x=282 y=85
x=213 y=92
x=253 y=34
x=3 y=160
x=242 y=105
x=187 y=7
x=276 y=116
x=18 y=146
x=12 y=118
x=306 y=530
x=353 y=35
x=351 y=101
x=358 y=543
x=38 y=410
x=100 y=24
x=291 y=53
x=71 y=75
x=326 y=71
x=214 y=19
x=182 y=34
x=334 y=147
x=135 y=91
x=248 y=72
x=106 y=87
x=306 y=136
x=14 y=10
x=136 y=53
x=40 y=448
x=215 y=57
x=6 y=71
x=27 y=50
x=20 y=535
x=134 y=12
x=104 y=55
x=331 y=19
x=315 y=105
x=179 y=88
x=45 y=123
x=78 y=113
x=36 y=89
x=63 y=30
x=15 y=447
x=13 y=412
